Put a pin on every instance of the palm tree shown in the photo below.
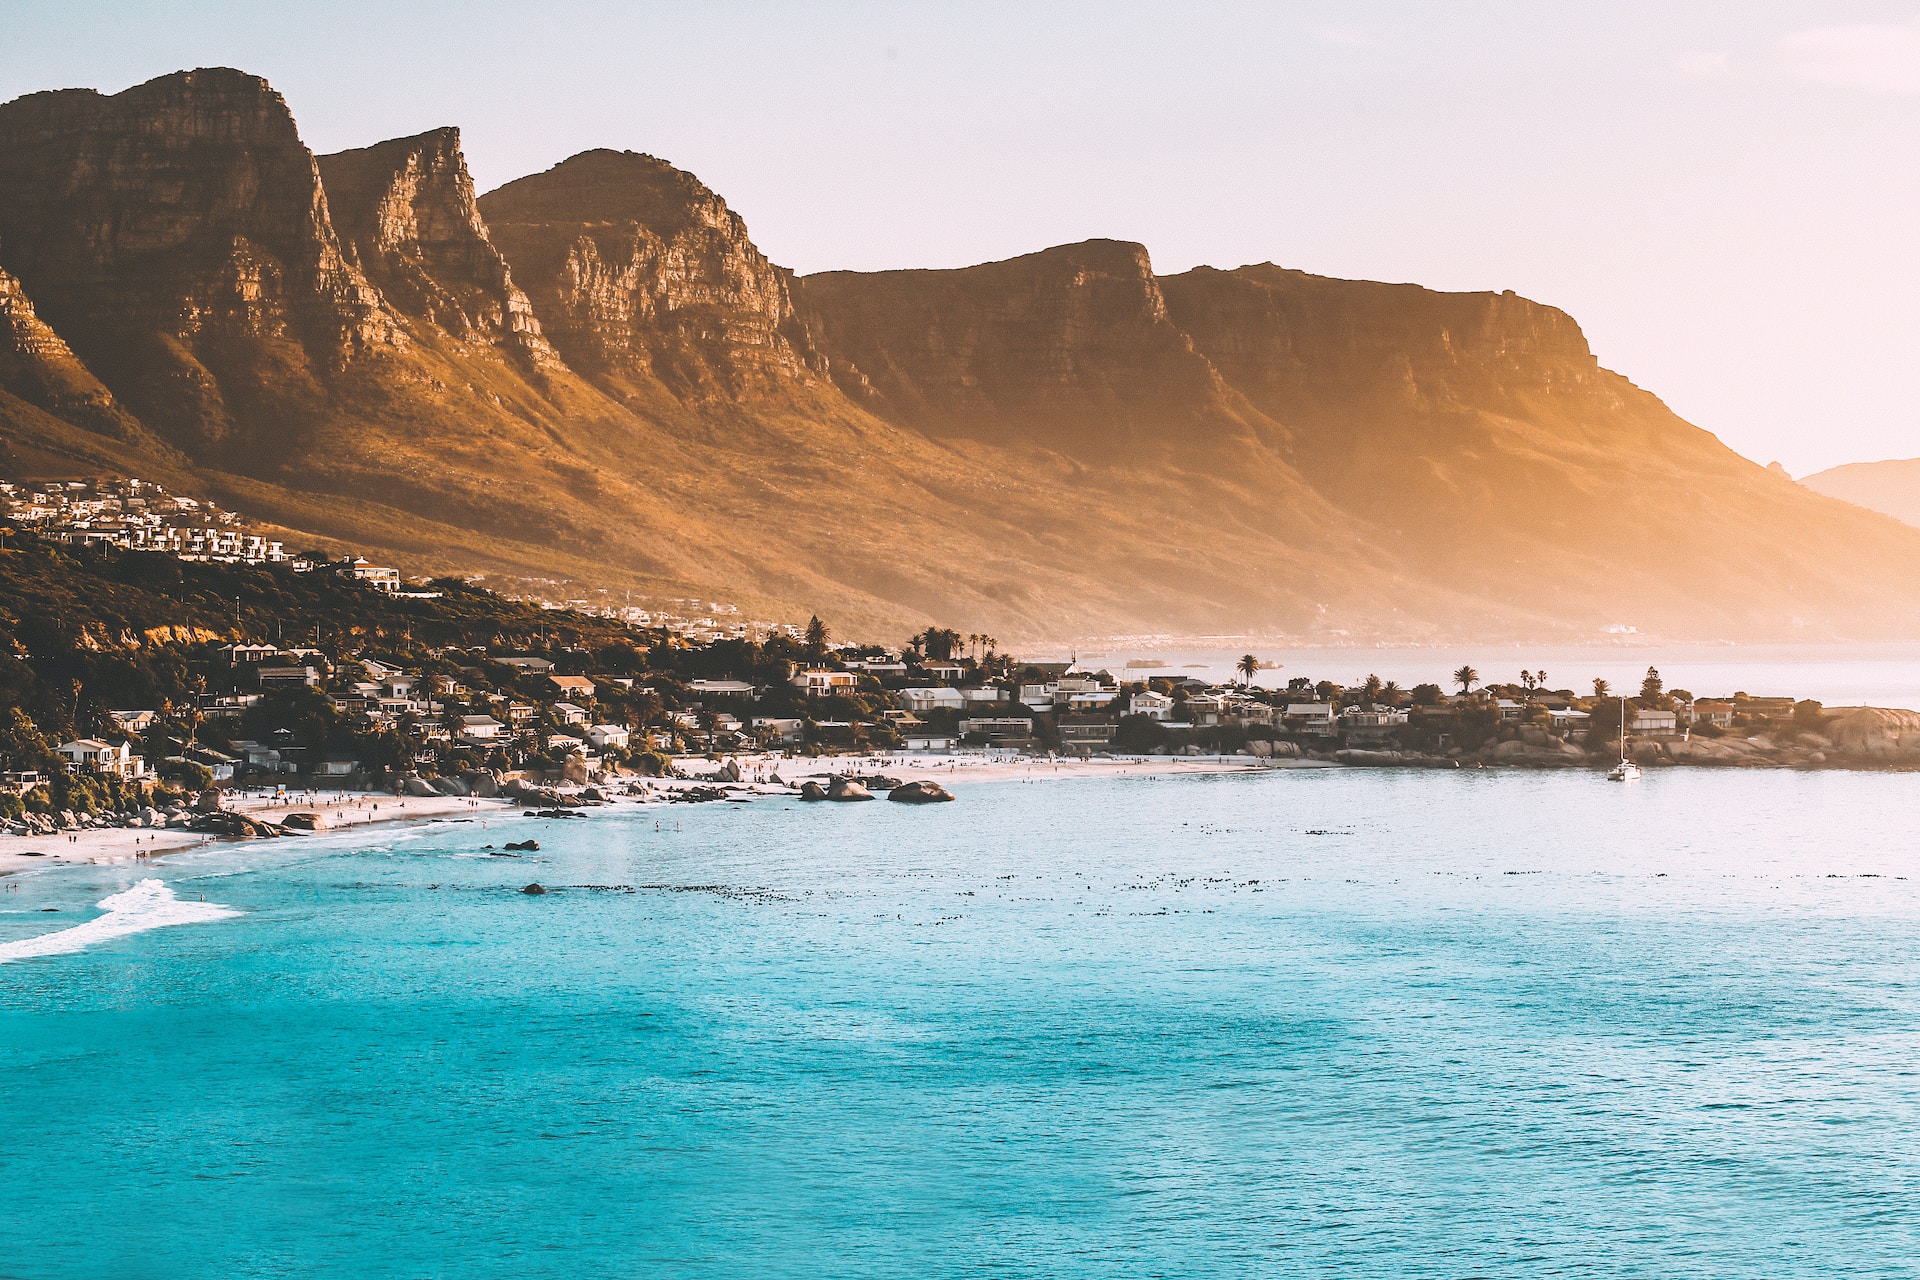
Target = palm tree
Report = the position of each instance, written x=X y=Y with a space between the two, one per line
x=816 y=633
x=1601 y=688
x=1248 y=667
x=1391 y=693
x=1370 y=690
x=1466 y=678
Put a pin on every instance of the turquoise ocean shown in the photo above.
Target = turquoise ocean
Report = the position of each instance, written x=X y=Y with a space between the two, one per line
x=1283 y=1024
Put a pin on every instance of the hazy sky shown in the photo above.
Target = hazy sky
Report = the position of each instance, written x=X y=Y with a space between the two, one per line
x=1726 y=195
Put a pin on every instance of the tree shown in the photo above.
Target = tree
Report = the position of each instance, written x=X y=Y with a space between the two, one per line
x=1392 y=694
x=1653 y=686
x=1248 y=666
x=1466 y=678
x=1427 y=695
x=1601 y=688
x=1370 y=690
x=816 y=633
x=1526 y=680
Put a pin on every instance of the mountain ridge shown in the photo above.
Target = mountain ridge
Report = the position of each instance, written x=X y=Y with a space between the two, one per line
x=595 y=374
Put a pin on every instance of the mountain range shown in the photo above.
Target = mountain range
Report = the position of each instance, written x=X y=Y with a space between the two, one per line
x=594 y=374
x=1891 y=487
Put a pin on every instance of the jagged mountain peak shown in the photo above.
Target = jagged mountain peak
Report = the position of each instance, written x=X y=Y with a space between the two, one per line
x=406 y=210
x=645 y=278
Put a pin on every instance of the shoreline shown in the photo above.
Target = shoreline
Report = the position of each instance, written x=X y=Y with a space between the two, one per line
x=351 y=811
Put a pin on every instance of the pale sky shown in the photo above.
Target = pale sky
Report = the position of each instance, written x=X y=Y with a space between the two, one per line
x=1725 y=195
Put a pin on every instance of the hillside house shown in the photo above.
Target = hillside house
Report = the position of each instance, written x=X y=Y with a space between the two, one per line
x=1156 y=706
x=96 y=755
x=820 y=683
x=921 y=701
x=604 y=736
x=572 y=687
x=568 y=713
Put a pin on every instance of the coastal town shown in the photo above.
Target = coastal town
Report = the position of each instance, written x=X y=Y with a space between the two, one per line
x=576 y=702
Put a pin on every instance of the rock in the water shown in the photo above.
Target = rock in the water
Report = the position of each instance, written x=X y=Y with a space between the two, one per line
x=812 y=791
x=847 y=789
x=535 y=887
x=525 y=846
x=919 y=793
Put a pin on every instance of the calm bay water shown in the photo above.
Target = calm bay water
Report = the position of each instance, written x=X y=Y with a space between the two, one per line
x=1299 y=1023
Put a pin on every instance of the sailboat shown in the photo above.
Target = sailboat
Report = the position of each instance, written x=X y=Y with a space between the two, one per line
x=1626 y=770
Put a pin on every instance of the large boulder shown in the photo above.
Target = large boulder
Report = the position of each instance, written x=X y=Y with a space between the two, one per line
x=419 y=787
x=481 y=783
x=304 y=822
x=575 y=770
x=847 y=789
x=449 y=786
x=208 y=801
x=729 y=772
x=922 y=792
x=811 y=790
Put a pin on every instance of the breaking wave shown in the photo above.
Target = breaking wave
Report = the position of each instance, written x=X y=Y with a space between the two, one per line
x=150 y=904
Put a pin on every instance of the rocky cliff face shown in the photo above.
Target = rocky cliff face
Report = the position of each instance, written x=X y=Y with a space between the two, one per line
x=641 y=274
x=406 y=212
x=1070 y=348
x=178 y=235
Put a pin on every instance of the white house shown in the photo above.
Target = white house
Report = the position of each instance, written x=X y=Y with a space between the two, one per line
x=603 y=736
x=480 y=728
x=788 y=727
x=818 y=683
x=920 y=701
x=567 y=713
x=1039 y=696
x=1158 y=706
x=133 y=721
x=97 y=756
x=1311 y=717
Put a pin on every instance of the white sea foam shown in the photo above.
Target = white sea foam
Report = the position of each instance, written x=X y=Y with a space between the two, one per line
x=150 y=904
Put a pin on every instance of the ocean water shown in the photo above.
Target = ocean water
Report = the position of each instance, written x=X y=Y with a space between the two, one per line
x=1287 y=1024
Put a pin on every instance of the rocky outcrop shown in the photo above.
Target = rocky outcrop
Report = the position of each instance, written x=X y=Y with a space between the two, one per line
x=643 y=276
x=406 y=212
x=177 y=235
x=1877 y=733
